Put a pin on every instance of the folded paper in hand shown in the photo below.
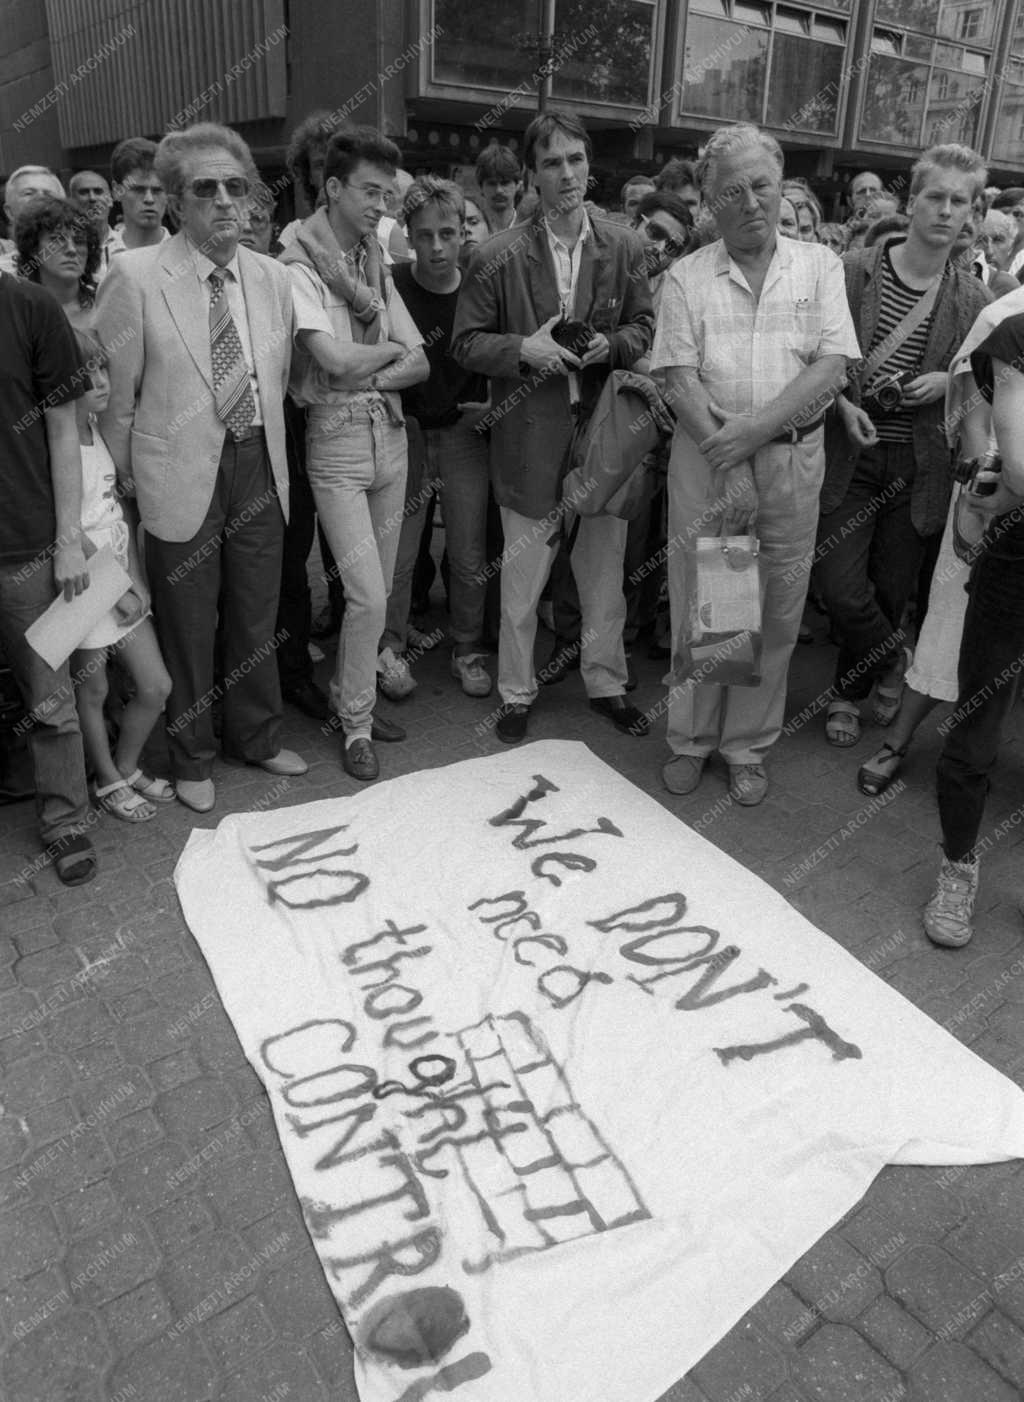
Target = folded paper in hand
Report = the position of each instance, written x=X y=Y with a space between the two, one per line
x=56 y=633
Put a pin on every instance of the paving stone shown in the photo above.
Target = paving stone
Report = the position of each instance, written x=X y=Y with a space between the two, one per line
x=78 y=1024
x=1001 y=1343
x=179 y=1223
x=71 y=926
x=174 y=1070
x=137 y=1317
x=153 y=1177
x=34 y=1081
x=58 y=1361
x=283 y=1372
x=836 y=1281
x=939 y=1291
x=192 y=1110
x=686 y=1390
x=896 y=1334
x=989 y=1244
x=48 y=968
x=298 y=1297
x=952 y=1373
x=915 y=1207
x=30 y=914
x=29 y=1240
x=15 y=1192
x=126 y=1136
x=40 y=1296
x=110 y=1262
x=331 y=1350
x=71 y=1163
x=249 y=1187
x=744 y=1358
x=170 y=1369
x=87 y=1208
x=97 y=1059
x=150 y=1036
x=837 y=1365
x=13 y=1140
x=217 y=1266
x=238 y=1332
x=126 y=1006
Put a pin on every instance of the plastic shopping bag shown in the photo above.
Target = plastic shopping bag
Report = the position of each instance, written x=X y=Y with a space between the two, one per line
x=719 y=642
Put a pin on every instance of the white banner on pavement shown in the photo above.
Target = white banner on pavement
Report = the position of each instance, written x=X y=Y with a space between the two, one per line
x=562 y=1087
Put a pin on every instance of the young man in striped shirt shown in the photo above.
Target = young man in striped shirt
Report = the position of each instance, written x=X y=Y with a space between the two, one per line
x=888 y=478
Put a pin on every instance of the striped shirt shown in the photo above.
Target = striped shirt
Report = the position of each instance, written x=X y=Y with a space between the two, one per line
x=897 y=301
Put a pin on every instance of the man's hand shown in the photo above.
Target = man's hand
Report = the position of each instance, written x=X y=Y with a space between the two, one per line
x=995 y=503
x=542 y=352
x=598 y=351
x=859 y=428
x=129 y=608
x=736 y=498
x=70 y=572
x=925 y=389
x=732 y=444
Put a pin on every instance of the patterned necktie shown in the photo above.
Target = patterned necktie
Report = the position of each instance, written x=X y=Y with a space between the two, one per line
x=232 y=390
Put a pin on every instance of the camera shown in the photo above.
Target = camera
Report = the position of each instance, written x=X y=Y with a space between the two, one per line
x=573 y=336
x=886 y=394
x=984 y=474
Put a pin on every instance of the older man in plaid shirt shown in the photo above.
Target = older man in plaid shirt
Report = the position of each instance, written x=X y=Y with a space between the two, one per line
x=754 y=334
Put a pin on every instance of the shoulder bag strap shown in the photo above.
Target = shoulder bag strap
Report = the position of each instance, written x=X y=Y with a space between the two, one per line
x=890 y=344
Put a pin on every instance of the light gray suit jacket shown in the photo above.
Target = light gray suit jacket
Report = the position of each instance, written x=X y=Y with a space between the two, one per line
x=161 y=424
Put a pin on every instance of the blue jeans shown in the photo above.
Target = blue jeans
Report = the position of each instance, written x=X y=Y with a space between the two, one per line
x=62 y=801
x=356 y=464
x=455 y=460
x=991 y=662
x=867 y=559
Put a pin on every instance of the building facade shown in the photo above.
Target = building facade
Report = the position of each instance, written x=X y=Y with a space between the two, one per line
x=843 y=84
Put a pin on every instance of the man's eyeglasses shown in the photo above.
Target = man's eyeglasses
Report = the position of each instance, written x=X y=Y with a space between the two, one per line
x=372 y=193
x=236 y=187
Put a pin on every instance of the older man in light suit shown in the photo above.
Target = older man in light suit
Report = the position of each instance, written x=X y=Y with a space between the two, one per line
x=199 y=332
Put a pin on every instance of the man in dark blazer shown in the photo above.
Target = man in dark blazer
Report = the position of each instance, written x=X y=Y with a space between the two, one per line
x=564 y=264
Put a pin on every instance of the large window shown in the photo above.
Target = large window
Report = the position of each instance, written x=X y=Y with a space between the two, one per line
x=1008 y=143
x=601 y=53
x=770 y=63
x=922 y=85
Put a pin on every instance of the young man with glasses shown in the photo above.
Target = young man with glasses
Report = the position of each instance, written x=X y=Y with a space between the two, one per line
x=141 y=194
x=200 y=334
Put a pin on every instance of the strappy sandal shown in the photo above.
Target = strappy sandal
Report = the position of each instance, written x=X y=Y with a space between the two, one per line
x=842 y=724
x=73 y=857
x=877 y=773
x=889 y=694
x=120 y=800
x=156 y=790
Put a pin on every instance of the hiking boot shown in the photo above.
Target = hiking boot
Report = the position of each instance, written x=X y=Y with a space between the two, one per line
x=393 y=675
x=947 y=916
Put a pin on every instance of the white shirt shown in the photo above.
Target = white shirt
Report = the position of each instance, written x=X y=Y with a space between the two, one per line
x=236 y=306
x=567 y=275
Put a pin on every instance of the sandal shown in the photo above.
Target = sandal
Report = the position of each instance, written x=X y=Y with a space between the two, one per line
x=156 y=790
x=120 y=800
x=842 y=724
x=74 y=858
x=889 y=693
x=877 y=773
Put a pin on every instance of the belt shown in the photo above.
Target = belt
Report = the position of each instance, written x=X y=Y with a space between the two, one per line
x=797 y=431
x=249 y=435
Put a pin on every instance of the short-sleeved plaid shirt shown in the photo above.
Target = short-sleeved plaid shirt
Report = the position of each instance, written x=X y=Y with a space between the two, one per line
x=748 y=351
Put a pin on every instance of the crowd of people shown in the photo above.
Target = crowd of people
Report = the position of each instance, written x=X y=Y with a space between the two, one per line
x=199 y=393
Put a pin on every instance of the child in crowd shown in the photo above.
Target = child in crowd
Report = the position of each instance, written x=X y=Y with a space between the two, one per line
x=122 y=789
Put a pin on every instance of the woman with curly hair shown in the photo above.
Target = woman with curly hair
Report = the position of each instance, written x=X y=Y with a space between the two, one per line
x=59 y=248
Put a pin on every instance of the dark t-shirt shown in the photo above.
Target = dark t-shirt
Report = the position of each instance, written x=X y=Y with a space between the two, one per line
x=435 y=402
x=40 y=369
x=1004 y=342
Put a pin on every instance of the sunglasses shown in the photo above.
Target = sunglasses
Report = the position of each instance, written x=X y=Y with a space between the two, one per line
x=660 y=235
x=236 y=187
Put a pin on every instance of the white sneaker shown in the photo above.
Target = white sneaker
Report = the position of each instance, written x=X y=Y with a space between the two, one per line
x=471 y=672
x=947 y=916
x=393 y=675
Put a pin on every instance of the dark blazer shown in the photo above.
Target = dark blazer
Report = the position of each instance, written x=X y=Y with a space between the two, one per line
x=961 y=297
x=507 y=293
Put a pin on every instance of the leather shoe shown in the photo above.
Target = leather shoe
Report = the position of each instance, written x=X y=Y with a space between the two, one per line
x=308 y=698
x=512 y=723
x=360 y=760
x=622 y=715
x=197 y=794
x=565 y=658
x=285 y=762
x=387 y=730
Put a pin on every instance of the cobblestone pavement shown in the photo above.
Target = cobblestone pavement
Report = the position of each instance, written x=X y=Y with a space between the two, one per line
x=151 y=1247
